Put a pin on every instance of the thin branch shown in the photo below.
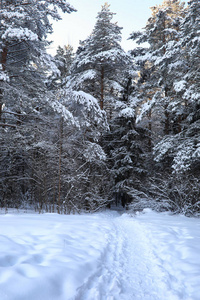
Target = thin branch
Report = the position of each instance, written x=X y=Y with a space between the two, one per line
x=7 y=125
x=12 y=113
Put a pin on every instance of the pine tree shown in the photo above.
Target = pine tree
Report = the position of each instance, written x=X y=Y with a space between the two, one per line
x=23 y=61
x=24 y=108
x=63 y=60
x=184 y=147
x=178 y=154
x=101 y=67
x=162 y=32
x=190 y=44
x=81 y=159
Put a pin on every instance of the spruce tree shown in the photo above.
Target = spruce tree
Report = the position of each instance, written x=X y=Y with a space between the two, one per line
x=125 y=145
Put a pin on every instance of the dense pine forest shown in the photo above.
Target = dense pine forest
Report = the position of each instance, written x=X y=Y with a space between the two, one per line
x=98 y=127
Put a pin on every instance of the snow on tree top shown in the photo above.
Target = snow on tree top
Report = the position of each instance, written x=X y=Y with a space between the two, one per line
x=127 y=113
x=14 y=14
x=20 y=34
x=3 y=76
x=180 y=86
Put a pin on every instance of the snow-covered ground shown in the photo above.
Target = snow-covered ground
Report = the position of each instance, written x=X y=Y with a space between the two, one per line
x=104 y=256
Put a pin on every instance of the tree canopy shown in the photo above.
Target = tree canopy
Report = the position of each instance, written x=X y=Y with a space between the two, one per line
x=100 y=126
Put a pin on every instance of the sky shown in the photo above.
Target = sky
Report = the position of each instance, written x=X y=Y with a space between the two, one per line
x=132 y=15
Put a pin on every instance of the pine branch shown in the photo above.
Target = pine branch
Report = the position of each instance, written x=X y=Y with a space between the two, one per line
x=7 y=125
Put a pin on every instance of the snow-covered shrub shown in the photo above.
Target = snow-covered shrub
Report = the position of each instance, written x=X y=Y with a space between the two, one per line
x=177 y=193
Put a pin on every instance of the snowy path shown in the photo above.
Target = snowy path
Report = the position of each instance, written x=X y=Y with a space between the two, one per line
x=128 y=269
x=99 y=257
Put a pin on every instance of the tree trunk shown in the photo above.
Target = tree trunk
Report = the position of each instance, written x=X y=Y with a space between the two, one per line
x=166 y=125
x=150 y=131
x=167 y=115
x=4 y=54
x=60 y=164
x=1 y=100
x=102 y=87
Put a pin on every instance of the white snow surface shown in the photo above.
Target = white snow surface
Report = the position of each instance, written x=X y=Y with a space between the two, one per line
x=104 y=256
